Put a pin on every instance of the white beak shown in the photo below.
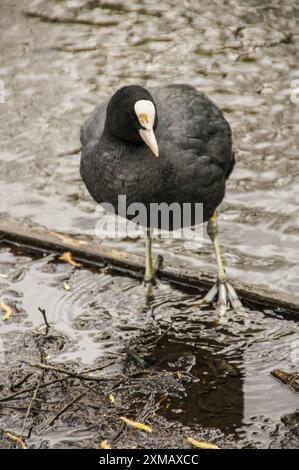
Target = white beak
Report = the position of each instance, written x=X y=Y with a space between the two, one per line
x=149 y=138
x=145 y=111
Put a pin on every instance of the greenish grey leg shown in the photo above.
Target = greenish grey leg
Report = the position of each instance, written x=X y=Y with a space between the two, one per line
x=149 y=267
x=150 y=272
x=227 y=295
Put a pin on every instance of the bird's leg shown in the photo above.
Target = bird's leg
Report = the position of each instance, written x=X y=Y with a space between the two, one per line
x=150 y=279
x=226 y=293
x=149 y=267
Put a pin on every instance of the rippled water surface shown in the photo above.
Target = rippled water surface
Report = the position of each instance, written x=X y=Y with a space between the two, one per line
x=58 y=60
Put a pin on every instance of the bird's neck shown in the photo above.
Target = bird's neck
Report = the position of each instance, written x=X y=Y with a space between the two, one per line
x=116 y=145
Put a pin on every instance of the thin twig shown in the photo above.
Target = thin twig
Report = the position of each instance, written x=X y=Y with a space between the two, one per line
x=31 y=389
x=126 y=378
x=46 y=384
x=155 y=406
x=155 y=341
x=31 y=402
x=24 y=408
x=66 y=407
x=103 y=366
x=91 y=389
x=23 y=380
x=43 y=312
x=67 y=372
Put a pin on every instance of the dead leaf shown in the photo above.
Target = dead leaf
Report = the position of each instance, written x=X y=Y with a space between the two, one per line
x=111 y=398
x=136 y=424
x=201 y=444
x=105 y=444
x=68 y=257
x=7 y=311
x=66 y=286
x=18 y=440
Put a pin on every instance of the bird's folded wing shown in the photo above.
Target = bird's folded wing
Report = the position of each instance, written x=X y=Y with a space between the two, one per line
x=93 y=127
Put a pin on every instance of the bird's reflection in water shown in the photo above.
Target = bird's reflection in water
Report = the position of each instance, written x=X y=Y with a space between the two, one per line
x=214 y=386
x=203 y=355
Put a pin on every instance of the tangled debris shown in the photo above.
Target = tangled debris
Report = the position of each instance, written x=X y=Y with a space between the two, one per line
x=156 y=367
x=107 y=409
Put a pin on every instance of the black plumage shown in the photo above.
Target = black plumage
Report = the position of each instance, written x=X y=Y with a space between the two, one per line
x=194 y=141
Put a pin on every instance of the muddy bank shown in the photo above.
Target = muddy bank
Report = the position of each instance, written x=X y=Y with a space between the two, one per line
x=176 y=370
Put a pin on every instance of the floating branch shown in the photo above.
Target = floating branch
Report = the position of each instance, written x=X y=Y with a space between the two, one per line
x=91 y=252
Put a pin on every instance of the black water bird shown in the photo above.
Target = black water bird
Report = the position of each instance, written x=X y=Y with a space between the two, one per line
x=171 y=144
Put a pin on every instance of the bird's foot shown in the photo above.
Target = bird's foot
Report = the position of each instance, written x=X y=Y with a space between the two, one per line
x=151 y=280
x=227 y=298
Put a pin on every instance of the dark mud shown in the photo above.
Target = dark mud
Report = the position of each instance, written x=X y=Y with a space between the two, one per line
x=179 y=371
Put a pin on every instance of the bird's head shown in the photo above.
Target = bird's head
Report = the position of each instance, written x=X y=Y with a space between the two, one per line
x=132 y=116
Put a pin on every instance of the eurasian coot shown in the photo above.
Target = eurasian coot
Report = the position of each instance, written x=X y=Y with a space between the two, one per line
x=169 y=144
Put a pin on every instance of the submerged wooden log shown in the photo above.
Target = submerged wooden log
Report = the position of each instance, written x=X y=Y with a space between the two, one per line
x=90 y=251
